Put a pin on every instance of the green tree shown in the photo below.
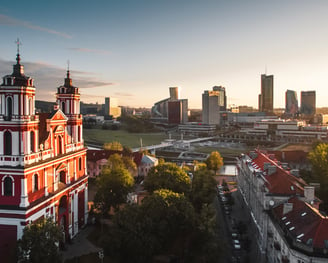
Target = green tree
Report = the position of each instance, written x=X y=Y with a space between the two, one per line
x=114 y=146
x=202 y=189
x=214 y=161
x=39 y=242
x=161 y=219
x=113 y=186
x=167 y=176
x=319 y=160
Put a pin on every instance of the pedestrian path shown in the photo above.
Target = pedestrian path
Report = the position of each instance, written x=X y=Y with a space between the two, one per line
x=80 y=245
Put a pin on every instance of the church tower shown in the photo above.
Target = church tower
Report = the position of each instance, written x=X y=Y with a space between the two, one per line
x=68 y=99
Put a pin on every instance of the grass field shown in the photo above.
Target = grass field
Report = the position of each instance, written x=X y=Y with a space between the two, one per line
x=132 y=140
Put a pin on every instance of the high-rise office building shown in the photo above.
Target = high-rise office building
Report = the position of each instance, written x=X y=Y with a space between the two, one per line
x=291 y=103
x=112 y=108
x=266 y=96
x=178 y=111
x=308 y=105
x=174 y=93
x=210 y=106
x=222 y=97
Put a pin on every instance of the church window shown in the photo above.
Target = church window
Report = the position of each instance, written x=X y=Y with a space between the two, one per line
x=80 y=164
x=63 y=106
x=35 y=183
x=32 y=134
x=62 y=177
x=9 y=108
x=79 y=133
x=7 y=186
x=7 y=143
x=60 y=145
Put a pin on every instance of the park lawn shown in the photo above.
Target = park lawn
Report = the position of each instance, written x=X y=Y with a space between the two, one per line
x=131 y=140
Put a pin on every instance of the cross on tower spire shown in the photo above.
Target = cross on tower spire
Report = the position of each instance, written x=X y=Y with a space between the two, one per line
x=18 y=44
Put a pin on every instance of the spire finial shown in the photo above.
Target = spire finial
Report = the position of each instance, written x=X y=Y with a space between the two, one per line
x=68 y=65
x=18 y=44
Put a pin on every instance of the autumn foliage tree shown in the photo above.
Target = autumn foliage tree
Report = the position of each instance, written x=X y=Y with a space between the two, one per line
x=214 y=161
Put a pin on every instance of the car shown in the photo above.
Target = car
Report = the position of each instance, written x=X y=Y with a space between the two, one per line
x=236 y=244
x=224 y=199
x=234 y=235
x=220 y=187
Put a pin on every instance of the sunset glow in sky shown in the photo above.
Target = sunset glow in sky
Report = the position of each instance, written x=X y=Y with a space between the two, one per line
x=135 y=50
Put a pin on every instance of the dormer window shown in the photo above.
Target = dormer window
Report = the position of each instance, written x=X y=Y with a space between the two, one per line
x=9 y=82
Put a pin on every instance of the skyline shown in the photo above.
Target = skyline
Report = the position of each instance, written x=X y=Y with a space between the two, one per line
x=130 y=48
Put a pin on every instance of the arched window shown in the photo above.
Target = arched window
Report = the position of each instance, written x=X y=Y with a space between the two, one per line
x=35 y=183
x=63 y=106
x=80 y=164
x=32 y=137
x=7 y=143
x=9 y=108
x=8 y=186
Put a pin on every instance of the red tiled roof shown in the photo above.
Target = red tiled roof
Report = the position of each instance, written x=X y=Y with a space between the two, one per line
x=305 y=223
x=281 y=181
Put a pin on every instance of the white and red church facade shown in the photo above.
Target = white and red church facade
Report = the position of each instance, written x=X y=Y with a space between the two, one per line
x=42 y=160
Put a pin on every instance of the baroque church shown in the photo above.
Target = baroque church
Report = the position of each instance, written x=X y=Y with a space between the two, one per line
x=42 y=160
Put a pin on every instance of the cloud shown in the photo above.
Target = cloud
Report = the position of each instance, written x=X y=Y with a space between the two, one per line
x=48 y=77
x=10 y=21
x=88 y=50
x=123 y=94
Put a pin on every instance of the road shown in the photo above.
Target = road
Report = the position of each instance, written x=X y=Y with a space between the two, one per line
x=249 y=251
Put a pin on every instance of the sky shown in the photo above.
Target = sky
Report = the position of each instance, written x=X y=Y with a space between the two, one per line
x=134 y=50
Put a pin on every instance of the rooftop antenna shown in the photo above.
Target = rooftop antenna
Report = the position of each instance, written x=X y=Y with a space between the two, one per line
x=266 y=70
x=18 y=44
x=68 y=65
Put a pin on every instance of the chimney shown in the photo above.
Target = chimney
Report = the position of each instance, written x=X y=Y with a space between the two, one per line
x=253 y=155
x=309 y=193
x=287 y=208
x=272 y=169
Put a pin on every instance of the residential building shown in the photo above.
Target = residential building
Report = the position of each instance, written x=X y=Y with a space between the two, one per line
x=147 y=162
x=42 y=159
x=284 y=210
x=97 y=159
x=266 y=96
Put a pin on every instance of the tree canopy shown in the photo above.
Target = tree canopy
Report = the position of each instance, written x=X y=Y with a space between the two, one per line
x=39 y=242
x=115 y=146
x=113 y=186
x=319 y=160
x=203 y=189
x=214 y=161
x=167 y=176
